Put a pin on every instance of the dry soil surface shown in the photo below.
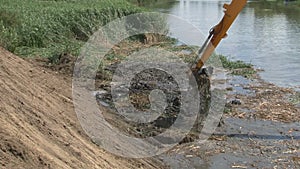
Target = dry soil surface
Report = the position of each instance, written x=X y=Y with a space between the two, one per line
x=39 y=128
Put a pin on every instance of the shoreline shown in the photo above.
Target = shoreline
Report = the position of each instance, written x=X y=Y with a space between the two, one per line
x=260 y=126
x=243 y=134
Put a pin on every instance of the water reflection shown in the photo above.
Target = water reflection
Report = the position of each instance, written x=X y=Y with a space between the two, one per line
x=264 y=35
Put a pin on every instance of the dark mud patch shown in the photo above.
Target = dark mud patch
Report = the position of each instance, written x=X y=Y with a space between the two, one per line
x=141 y=88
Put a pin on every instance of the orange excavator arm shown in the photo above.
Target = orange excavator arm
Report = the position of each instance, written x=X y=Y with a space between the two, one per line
x=218 y=32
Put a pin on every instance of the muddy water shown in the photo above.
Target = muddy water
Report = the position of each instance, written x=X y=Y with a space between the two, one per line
x=249 y=144
x=264 y=35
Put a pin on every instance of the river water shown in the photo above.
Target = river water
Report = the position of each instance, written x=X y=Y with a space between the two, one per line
x=264 y=35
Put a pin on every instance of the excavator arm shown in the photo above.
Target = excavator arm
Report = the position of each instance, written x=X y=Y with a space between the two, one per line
x=218 y=32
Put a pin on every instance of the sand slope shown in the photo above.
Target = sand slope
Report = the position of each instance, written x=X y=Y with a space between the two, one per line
x=39 y=128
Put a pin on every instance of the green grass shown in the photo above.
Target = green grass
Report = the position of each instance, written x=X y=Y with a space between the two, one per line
x=228 y=64
x=48 y=28
x=238 y=67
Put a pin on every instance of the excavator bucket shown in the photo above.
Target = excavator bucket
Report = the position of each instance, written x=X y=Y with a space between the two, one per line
x=220 y=31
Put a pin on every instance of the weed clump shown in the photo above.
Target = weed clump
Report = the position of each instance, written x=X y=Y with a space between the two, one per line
x=238 y=67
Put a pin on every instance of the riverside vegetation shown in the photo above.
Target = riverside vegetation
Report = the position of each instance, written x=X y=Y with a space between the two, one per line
x=52 y=28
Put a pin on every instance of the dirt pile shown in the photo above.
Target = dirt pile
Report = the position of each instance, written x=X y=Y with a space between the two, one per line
x=39 y=128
